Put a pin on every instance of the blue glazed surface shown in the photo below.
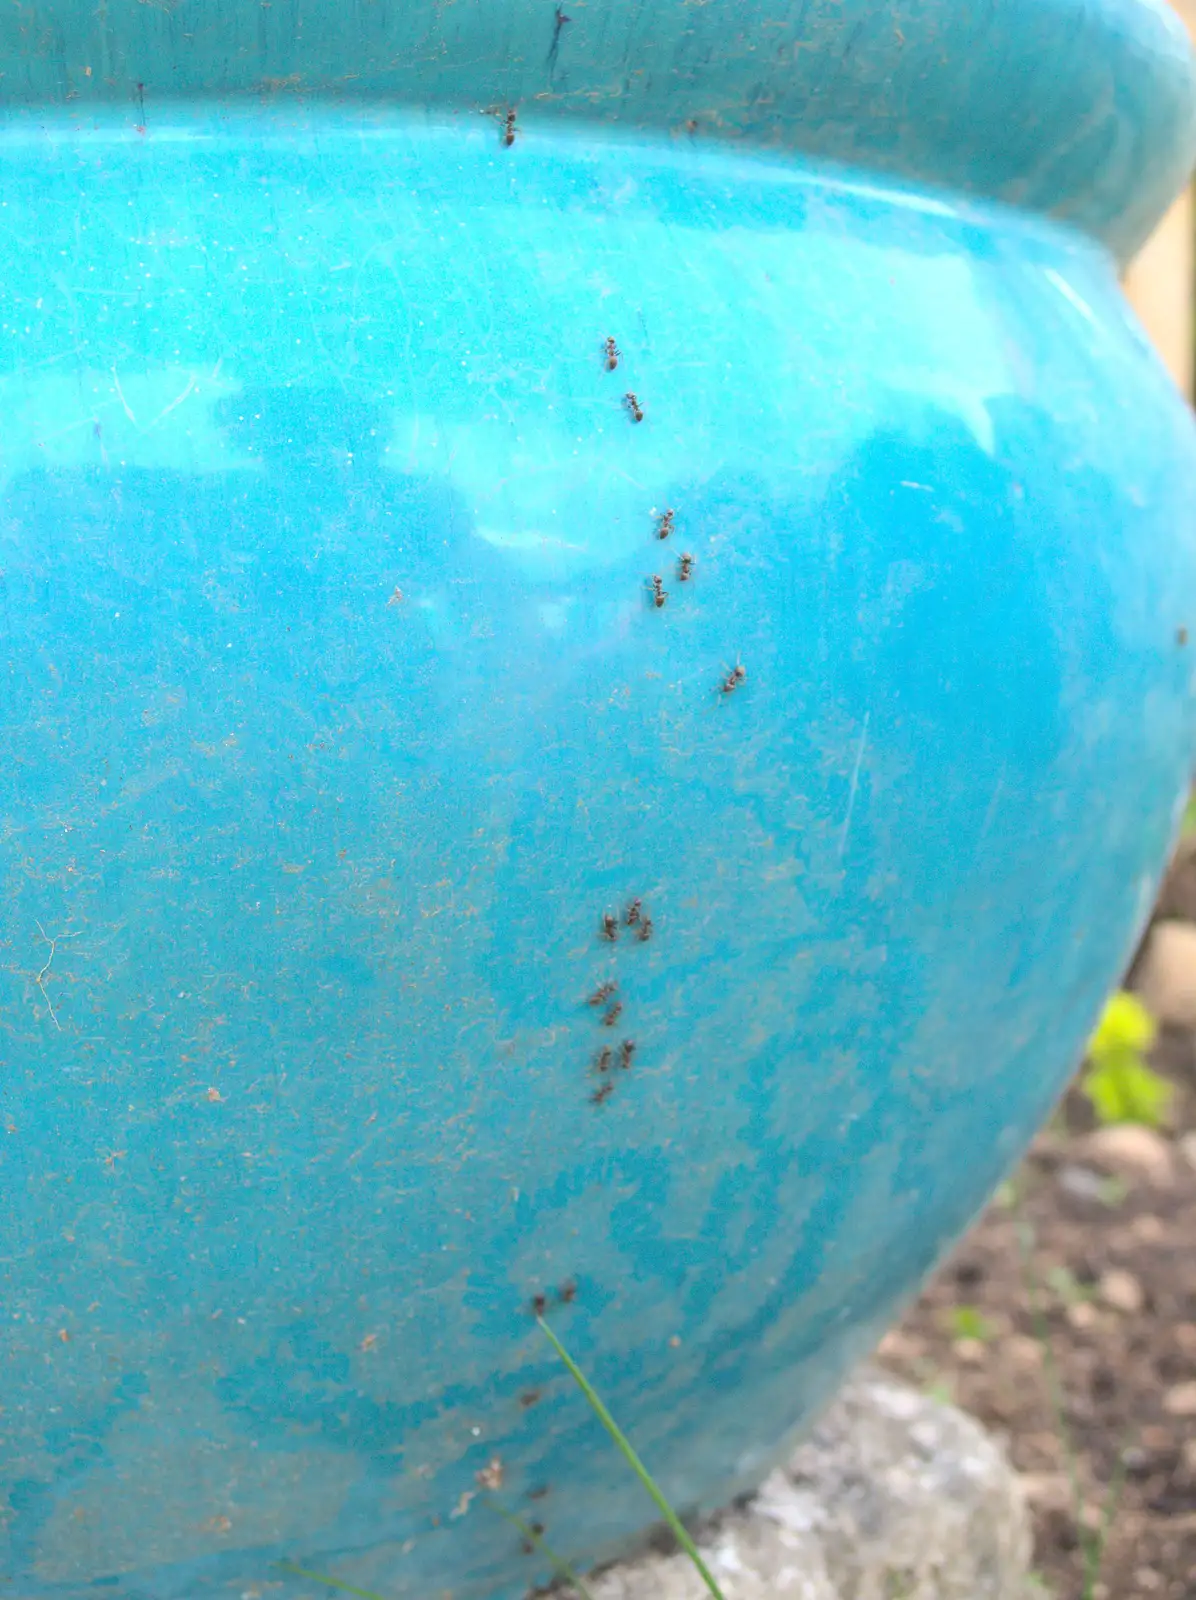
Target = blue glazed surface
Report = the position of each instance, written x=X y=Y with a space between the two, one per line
x=1080 y=108
x=336 y=714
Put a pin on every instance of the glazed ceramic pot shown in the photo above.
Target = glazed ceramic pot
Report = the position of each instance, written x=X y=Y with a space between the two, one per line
x=493 y=817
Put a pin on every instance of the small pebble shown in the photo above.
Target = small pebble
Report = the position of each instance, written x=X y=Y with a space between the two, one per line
x=1148 y=1578
x=899 y=1346
x=1147 y=1229
x=1135 y=1151
x=1190 y=1454
x=1180 y=1400
x=1082 y=1316
x=1082 y=1182
x=1024 y=1352
x=1187 y=1149
x=1046 y=1491
x=1136 y=1461
x=973 y=1352
x=1185 y=1336
x=1167 y=974
x=1122 y=1291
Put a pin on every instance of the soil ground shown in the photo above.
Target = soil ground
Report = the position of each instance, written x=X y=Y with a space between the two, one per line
x=1066 y=1322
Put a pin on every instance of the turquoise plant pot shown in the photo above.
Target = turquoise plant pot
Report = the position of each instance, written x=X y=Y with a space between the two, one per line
x=339 y=713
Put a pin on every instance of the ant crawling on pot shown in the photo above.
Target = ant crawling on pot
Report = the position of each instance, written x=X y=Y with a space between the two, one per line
x=733 y=679
x=665 y=525
x=633 y=405
x=685 y=568
x=602 y=1093
x=610 y=351
x=659 y=593
x=506 y=120
x=610 y=931
x=601 y=993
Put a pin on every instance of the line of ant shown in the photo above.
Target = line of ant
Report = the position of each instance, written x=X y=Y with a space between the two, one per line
x=608 y=1062
x=565 y=1295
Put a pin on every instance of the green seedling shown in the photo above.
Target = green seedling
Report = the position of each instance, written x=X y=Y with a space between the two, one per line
x=529 y=1534
x=941 y=1389
x=1117 y=1080
x=969 y=1322
x=1065 y=1286
x=623 y=1445
x=327 y=1580
x=1093 y=1542
x=559 y=1564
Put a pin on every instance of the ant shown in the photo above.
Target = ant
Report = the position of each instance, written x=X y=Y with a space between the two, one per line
x=685 y=568
x=529 y=1398
x=603 y=1061
x=601 y=993
x=659 y=593
x=609 y=1018
x=626 y=1053
x=610 y=927
x=567 y=1293
x=1181 y=637
x=538 y=1494
x=611 y=350
x=602 y=1092
x=733 y=679
x=533 y=1527
x=665 y=526
x=539 y=1304
x=645 y=931
x=633 y=405
x=508 y=132
x=632 y=915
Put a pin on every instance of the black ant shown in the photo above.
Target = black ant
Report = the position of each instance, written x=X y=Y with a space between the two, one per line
x=632 y=915
x=665 y=526
x=538 y=1494
x=633 y=405
x=609 y=1018
x=626 y=1053
x=529 y=1398
x=533 y=1527
x=603 y=1060
x=567 y=1293
x=659 y=593
x=645 y=930
x=602 y=1092
x=601 y=993
x=1181 y=637
x=610 y=927
x=685 y=568
x=539 y=1304
x=508 y=132
x=733 y=679
x=611 y=350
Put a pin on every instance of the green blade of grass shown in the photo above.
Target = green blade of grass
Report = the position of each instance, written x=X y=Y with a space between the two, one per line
x=559 y=1563
x=633 y=1461
x=329 y=1581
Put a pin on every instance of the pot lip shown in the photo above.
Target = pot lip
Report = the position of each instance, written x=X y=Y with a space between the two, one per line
x=1083 y=110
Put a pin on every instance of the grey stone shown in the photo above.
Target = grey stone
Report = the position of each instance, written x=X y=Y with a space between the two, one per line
x=894 y=1496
